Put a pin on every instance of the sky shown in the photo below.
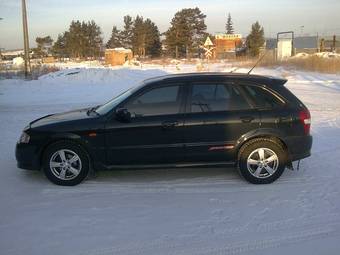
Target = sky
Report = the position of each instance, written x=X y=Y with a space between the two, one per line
x=51 y=17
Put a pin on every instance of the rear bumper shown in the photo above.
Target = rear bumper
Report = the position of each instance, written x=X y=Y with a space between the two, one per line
x=27 y=157
x=299 y=146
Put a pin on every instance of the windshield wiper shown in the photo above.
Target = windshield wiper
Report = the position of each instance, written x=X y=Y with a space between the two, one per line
x=93 y=109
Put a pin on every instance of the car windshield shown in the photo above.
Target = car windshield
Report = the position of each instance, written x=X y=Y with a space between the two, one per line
x=105 y=108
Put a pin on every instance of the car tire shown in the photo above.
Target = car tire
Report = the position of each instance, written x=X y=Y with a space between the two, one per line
x=65 y=163
x=262 y=160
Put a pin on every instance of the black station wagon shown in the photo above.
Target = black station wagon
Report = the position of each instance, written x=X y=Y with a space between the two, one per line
x=200 y=119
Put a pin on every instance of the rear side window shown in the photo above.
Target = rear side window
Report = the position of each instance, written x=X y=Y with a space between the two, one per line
x=208 y=97
x=262 y=98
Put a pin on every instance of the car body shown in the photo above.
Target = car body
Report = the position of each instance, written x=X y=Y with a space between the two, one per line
x=177 y=120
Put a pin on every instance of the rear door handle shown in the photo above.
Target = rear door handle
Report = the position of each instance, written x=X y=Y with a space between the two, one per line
x=247 y=119
x=169 y=124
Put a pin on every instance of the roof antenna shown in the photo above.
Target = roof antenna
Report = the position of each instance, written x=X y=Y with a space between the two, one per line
x=258 y=61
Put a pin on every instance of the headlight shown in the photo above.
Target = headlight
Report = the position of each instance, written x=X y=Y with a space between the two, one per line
x=24 y=138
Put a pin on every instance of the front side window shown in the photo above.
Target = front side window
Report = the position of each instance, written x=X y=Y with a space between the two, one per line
x=262 y=98
x=217 y=97
x=157 y=101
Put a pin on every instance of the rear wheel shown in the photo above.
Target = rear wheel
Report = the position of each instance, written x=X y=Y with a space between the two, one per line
x=262 y=160
x=65 y=163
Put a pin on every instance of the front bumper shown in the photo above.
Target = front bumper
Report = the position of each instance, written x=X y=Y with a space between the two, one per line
x=299 y=146
x=27 y=156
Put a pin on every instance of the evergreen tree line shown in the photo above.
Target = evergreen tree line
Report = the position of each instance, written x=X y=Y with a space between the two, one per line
x=142 y=36
x=184 y=38
x=82 y=40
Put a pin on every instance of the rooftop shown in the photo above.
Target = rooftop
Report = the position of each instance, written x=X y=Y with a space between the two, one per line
x=211 y=75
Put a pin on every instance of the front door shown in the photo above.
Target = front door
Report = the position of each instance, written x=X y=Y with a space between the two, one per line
x=218 y=115
x=154 y=134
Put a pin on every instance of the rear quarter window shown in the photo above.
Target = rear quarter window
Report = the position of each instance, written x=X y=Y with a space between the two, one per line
x=262 y=98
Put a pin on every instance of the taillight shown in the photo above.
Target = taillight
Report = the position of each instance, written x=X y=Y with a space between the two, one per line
x=306 y=120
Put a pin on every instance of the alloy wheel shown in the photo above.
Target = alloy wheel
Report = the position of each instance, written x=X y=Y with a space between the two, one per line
x=65 y=164
x=262 y=163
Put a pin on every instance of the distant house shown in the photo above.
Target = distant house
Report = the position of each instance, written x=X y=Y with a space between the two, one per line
x=117 y=56
x=226 y=45
x=11 y=54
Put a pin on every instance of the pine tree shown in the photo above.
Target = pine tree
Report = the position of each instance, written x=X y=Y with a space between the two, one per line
x=75 y=40
x=82 y=40
x=255 y=40
x=44 y=45
x=145 y=38
x=229 y=26
x=126 y=34
x=186 y=33
x=138 y=36
x=115 y=40
x=93 y=38
x=59 y=47
x=152 y=39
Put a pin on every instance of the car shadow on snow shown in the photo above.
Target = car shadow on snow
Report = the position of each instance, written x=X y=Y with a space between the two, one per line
x=166 y=174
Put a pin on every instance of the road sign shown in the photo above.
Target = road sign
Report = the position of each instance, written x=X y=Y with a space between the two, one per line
x=208 y=42
x=208 y=53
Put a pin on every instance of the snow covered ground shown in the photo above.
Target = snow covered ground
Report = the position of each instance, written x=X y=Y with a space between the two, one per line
x=167 y=211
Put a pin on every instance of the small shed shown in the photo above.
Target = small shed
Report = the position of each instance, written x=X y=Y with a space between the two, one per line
x=117 y=56
x=48 y=60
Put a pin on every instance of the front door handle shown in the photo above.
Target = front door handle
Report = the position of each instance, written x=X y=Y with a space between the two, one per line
x=169 y=124
x=247 y=119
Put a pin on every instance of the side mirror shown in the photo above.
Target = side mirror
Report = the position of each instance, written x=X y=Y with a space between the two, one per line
x=122 y=114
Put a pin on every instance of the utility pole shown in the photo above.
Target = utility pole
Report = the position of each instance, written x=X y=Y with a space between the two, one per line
x=301 y=30
x=26 y=42
x=0 y=47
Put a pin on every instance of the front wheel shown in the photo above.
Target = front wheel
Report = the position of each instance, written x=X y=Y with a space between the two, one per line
x=65 y=163
x=262 y=160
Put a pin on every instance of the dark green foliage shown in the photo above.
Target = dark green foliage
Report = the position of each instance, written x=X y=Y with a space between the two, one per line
x=59 y=47
x=255 y=40
x=44 y=45
x=138 y=36
x=115 y=39
x=142 y=36
x=153 y=42
x=126 y=34
x=145 y=38
x=229 y=26
x=186 y=33
x=82 y=40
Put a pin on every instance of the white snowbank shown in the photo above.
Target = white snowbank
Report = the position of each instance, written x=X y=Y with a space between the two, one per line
x=318 y=54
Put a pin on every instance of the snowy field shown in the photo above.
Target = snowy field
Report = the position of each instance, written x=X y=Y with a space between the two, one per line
x=167 y=211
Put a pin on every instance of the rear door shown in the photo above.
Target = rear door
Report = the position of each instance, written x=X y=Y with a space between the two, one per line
x=218 y=114
x=273 y=111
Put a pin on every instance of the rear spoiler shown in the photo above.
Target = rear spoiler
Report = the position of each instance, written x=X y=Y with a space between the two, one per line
x=278 y=81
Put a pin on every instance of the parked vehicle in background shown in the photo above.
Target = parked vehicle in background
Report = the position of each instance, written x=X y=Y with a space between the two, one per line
x=201 y=119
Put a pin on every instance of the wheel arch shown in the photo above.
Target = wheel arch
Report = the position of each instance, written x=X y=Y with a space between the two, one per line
x=68 y=137
x=273 y=134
